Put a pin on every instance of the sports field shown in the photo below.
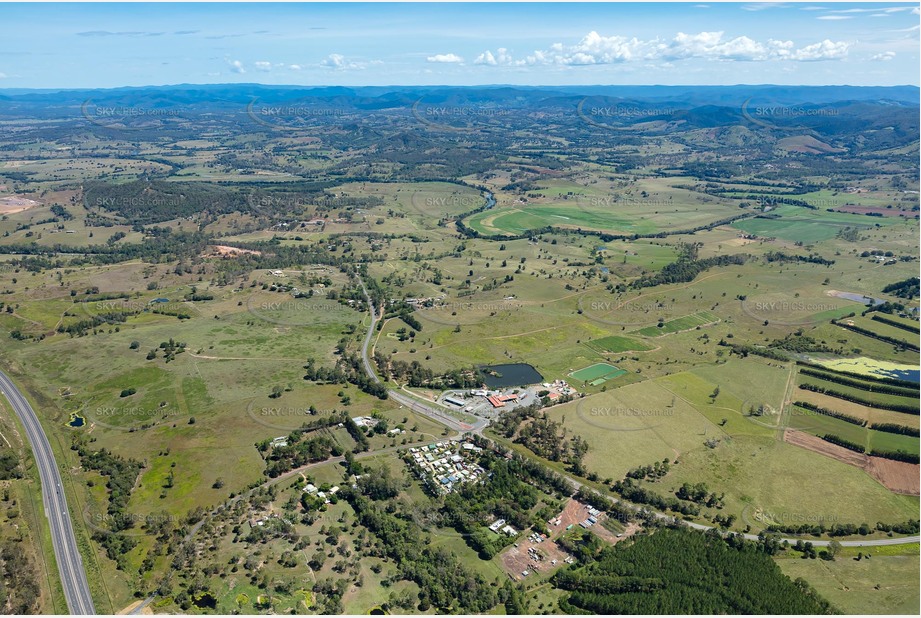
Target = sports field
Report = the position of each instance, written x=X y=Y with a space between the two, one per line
x=598 y=371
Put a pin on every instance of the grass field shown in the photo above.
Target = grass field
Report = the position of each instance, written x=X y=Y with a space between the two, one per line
x=883 y=584
x=615 y=343
x=596 y=371
x=673 y=326
x=798 y=224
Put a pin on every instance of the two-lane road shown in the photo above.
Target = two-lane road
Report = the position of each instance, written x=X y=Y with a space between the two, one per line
x=453 y=423
x=70 y=564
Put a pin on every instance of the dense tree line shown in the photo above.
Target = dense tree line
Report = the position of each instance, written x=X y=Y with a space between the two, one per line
x=909 y=327
x=896 y=407
x=859 y=376
x=911 y=458
x=685 y=269
x=832 y=413
x=897 y=429
x=780 y=256
x=679 y=571
x=853 y=446
x=839 y=530
x=863 y=385
x=899 y=343
x=908 y=288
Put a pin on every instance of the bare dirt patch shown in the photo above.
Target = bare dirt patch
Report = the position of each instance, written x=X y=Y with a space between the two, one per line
x=540 y=556
x=15 y=203
x=878 y=210
x=225 y=251
x=897 y=476
x=818 y=445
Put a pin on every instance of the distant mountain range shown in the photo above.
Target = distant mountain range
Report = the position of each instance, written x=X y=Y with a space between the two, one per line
x=382 y=97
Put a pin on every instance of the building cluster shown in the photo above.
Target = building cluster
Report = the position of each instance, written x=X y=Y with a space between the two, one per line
x=313 y=490
x=443 y=466
x=500 y=525
x=593 y=515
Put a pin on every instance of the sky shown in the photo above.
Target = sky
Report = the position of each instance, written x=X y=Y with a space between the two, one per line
x=696 y=43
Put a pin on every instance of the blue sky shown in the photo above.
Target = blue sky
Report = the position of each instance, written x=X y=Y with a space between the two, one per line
x=108 y=45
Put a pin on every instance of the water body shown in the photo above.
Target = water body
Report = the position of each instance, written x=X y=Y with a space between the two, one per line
x=514 y=374
x=872 y=367
x=76 y=421
x=490 y=200
x=860 y=298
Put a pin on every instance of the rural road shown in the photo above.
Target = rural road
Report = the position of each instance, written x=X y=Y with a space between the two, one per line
x=457 y=425
x=403 y=398
x=70 y=564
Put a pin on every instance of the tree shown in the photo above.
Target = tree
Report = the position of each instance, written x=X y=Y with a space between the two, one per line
x=834 y=548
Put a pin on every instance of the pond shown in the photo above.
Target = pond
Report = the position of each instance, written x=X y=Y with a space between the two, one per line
x=76 y=421
x=377 y=611
x=860 y=298
x=513 y=374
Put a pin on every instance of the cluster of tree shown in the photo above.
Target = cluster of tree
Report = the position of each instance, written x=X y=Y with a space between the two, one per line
x=744 y=349
x=361 y=439
x=404 y=311
x=629 y=490
x=889 y=307
x=832 y=413
x=686 y=269
x=348 y=369
x=698 y=493
x=907 y=288
x=81 y=327
x=651 y=472
x=121 y=474
x=547 y=438
x=800 y=343
x=898 y=343
x=416 y=375
x=305 y=450
x=502 y=494
x=812 y=258
x=19 y=589
x=680 y=571
x=896 y=407
x=444 y=583
x=9 y=466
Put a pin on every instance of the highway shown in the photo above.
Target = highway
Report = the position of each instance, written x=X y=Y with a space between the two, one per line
x=453 y=423
x=70 y=564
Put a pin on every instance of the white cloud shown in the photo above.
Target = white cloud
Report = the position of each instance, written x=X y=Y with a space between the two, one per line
x=834 y=17
x=340 y=63
x=826 y=50
x=294 y=67
x=595 y=49
x=263 y=66
x=762 y=6
x=445 y=58
x=883 y=57
x=236 y=66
